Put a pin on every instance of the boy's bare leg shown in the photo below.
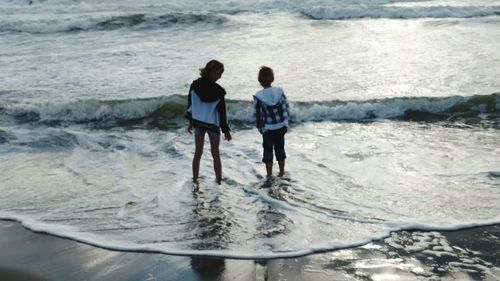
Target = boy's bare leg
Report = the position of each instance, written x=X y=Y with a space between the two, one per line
x=269 y=169
x=214 y=148
x=198 y=151
x=281 y=164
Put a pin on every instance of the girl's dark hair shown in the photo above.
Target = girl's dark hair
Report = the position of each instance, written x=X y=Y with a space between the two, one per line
x=212 y=66
x=266 y=75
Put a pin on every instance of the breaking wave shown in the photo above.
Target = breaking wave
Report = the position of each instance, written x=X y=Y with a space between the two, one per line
x=72 y=21
x=99 y=22
x=172 y=109
x=390 y=12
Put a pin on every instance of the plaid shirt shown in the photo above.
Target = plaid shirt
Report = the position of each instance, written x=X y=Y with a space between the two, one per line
x=271 y=115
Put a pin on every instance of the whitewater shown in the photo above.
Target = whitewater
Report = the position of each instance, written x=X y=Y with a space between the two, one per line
x=395 y=118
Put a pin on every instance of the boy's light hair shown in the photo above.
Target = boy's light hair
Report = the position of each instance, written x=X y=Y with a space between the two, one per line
x=266 y=75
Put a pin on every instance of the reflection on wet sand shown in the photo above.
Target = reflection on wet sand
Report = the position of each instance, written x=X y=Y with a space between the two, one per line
x=210 y=218
x=208 y=267
x=470 y=254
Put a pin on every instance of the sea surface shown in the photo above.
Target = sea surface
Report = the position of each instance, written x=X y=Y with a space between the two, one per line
x=395 y=122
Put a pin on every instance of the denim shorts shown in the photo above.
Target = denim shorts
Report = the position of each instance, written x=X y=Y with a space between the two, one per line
x=201 y=131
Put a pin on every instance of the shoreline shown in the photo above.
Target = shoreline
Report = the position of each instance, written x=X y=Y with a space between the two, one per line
x=35 y=228
x=467 y=254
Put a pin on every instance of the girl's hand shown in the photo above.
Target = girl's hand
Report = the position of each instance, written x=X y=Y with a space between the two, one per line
x=190 y=128
x=227 y=136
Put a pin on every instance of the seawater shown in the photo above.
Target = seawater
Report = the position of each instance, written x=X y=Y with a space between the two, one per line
x=395 y=122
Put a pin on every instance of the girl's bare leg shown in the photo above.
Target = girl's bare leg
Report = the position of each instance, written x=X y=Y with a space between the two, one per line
x=214 y=148
x=198 y=151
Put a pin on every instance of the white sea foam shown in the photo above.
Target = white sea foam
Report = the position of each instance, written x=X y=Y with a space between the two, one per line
x=96 y=110
x=131 y=190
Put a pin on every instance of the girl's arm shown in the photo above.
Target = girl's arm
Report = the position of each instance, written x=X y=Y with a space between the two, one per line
x=223 y=116
x=188 y=110
x=189 y=115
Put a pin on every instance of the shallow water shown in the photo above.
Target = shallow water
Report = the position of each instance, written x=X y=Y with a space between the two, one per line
x=133 y=187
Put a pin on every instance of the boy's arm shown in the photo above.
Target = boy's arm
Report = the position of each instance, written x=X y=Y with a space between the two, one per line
x=286 y=106
x=257 y=114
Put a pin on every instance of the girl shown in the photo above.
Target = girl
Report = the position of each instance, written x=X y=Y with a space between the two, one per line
x=207 y=114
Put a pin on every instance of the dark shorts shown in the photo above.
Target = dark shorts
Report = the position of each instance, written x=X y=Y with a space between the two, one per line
x=201 y=131
x=274 y=139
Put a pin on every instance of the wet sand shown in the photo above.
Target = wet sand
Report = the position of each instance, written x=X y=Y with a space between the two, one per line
x=471 y=254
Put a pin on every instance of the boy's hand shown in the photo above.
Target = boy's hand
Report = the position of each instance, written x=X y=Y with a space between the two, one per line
x=190 y=128
x=227 y=136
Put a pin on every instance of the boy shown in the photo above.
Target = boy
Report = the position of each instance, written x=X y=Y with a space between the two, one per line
x=271 y=113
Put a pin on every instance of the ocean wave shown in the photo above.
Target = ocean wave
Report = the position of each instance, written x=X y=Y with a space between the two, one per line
x=98 y=110
x=99 y=22
x=172 y=109
x=391 y=12
x=494 y=174
x=89 y=20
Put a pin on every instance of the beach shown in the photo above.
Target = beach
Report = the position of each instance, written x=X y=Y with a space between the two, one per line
x=393 y=156
x=470 y=254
